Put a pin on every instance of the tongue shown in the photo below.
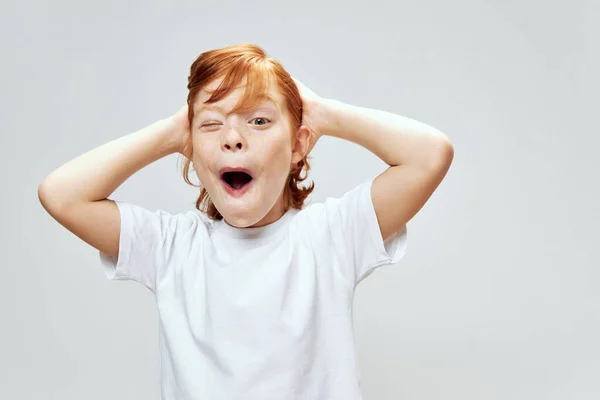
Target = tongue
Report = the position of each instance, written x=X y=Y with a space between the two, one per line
x=238 y=181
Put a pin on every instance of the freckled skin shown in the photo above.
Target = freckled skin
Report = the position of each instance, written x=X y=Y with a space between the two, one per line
x=246 y=139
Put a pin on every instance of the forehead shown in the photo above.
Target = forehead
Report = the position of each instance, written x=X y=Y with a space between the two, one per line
x=271 y=97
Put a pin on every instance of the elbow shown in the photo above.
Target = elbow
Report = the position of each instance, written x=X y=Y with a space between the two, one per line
x=44 y=194
x=446 y=152
x=441 y=154
x=48 y=196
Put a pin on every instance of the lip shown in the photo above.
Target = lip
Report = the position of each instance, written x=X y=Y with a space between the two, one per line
x=236 y=193
x=231 y=191
x=232 y=169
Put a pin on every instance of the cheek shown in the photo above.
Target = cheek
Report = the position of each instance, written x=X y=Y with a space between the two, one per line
x=278 y=160
x=277 y=147
x=201 y=173
x=205 y=147
x=203 y=157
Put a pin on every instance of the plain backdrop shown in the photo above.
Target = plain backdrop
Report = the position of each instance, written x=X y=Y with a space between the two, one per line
x=498 y=296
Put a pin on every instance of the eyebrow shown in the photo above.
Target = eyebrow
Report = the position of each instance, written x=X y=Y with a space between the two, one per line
x=214 y=107
x=210 y=107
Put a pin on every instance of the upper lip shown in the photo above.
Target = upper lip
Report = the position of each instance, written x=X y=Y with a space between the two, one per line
x=235 y=169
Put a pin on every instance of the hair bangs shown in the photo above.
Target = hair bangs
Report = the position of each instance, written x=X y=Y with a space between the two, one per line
x=255 y=77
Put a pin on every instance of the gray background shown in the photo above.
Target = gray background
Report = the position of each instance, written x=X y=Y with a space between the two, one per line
x=498 y=295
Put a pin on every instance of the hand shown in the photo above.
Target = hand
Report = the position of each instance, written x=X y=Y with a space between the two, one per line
x=312 y=114
x=180 y=127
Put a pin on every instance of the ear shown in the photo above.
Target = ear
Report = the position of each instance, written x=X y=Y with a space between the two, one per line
x=301 y=144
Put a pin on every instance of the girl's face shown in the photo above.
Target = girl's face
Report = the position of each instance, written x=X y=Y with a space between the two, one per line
x=260 y=141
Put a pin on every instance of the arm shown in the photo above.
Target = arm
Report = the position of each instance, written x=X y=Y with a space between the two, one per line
x=418 y=155
x=76 y=193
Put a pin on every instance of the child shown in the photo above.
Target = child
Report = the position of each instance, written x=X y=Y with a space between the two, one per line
x=254 y=290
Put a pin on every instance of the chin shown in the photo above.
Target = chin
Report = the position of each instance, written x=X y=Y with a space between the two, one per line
x=240 y=218
x=239 y=223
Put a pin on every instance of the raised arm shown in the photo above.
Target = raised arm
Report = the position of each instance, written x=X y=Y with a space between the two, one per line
x=419 y=155
x=75 y=194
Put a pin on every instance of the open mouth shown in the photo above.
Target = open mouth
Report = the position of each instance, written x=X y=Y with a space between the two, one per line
x=236 y=179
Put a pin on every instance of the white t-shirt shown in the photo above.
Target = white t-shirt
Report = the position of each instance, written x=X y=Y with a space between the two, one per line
x=257 y=313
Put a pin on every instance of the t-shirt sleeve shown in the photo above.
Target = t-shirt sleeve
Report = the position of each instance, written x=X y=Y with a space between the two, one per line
x=145 y=243
x=356 y=236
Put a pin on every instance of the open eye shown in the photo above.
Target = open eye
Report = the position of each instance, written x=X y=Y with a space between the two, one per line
x=266 y=120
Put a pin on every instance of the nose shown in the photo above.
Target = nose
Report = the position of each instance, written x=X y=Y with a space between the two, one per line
x=232 y=140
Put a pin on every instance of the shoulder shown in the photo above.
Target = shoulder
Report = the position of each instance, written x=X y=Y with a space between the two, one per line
x=192 y=220
x=325 y=212
x=162 y=219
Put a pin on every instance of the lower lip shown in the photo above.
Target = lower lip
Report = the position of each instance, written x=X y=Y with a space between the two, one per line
x=237 y=192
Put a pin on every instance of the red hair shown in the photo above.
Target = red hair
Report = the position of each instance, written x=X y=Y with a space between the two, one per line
x=236 y=63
